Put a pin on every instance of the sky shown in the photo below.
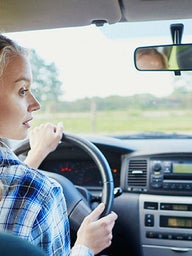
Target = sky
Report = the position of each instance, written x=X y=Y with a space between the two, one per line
x=91 y=62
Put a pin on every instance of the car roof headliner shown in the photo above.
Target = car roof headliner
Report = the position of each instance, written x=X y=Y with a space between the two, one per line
x=22 y=15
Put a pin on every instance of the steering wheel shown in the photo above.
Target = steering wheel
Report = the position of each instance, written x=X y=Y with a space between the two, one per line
x=77 y=205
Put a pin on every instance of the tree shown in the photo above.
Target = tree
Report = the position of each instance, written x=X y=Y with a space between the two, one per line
x=46 y=85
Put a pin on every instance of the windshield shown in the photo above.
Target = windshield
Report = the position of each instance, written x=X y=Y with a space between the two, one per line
x=86 y=78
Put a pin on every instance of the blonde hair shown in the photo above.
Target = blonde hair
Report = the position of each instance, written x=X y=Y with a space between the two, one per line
x=8 y=49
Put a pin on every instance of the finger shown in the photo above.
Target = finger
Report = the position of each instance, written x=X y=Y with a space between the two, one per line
x=110 y=218
x=60 y=126
x=94 y=215
x=59 y=129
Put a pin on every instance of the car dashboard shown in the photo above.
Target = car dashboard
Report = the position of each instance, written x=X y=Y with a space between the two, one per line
x=155 y=176
x=79 y=168
x=136 y=165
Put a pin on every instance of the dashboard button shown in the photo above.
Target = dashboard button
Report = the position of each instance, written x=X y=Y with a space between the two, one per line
x=149 y=220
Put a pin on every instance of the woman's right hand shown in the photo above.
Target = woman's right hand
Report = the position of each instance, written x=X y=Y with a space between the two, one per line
x=96 y=233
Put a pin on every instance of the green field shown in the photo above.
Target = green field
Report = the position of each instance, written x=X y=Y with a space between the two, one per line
x=117 y=122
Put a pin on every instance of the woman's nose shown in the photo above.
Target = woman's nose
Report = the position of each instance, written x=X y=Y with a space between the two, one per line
x=34 y=104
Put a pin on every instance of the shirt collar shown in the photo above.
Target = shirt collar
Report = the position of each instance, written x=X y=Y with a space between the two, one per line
x=7 y=157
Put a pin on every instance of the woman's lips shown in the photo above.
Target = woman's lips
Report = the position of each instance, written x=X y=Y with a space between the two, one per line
x=26 y=124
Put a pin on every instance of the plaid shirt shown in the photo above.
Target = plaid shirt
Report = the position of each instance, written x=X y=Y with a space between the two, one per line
x=33 y=207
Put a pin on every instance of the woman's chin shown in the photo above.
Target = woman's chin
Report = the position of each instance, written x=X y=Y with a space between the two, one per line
x=18 y=137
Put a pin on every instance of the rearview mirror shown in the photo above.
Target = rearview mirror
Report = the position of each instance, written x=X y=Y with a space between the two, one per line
x=164 y=57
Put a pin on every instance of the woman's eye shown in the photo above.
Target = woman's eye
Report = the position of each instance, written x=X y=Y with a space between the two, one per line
x=23 y=92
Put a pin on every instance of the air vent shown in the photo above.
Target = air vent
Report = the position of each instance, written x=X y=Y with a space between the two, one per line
x=137 y=173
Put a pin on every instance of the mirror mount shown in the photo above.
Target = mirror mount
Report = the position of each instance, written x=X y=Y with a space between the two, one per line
x=176 y=34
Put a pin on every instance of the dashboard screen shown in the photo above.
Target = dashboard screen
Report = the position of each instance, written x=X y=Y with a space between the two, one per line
x=175 y=222
x=182 y=168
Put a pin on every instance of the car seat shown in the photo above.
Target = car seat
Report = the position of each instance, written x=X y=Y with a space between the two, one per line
x=12 y=245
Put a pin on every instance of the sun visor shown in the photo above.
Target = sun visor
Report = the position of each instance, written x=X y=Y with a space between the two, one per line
x=22 y=15
x=146 y=10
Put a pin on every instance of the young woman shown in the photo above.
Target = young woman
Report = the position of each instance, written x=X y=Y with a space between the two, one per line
x=32 y=206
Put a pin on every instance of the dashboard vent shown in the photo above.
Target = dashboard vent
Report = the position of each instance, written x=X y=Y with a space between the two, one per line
x=137 y=173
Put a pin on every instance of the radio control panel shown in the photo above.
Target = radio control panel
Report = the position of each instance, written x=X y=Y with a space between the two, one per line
x=171 y=175
x=157 y=174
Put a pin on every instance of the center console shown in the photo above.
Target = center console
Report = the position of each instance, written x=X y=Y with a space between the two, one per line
x=164 y=184
x=165 y=220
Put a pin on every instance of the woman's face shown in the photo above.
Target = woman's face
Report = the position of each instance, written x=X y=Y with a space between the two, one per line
x=16 y=100
x=151 y=61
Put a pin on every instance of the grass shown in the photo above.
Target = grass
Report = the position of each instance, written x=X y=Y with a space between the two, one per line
x=117 y=122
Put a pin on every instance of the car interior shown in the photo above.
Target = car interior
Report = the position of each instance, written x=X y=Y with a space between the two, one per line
x=143 y=174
